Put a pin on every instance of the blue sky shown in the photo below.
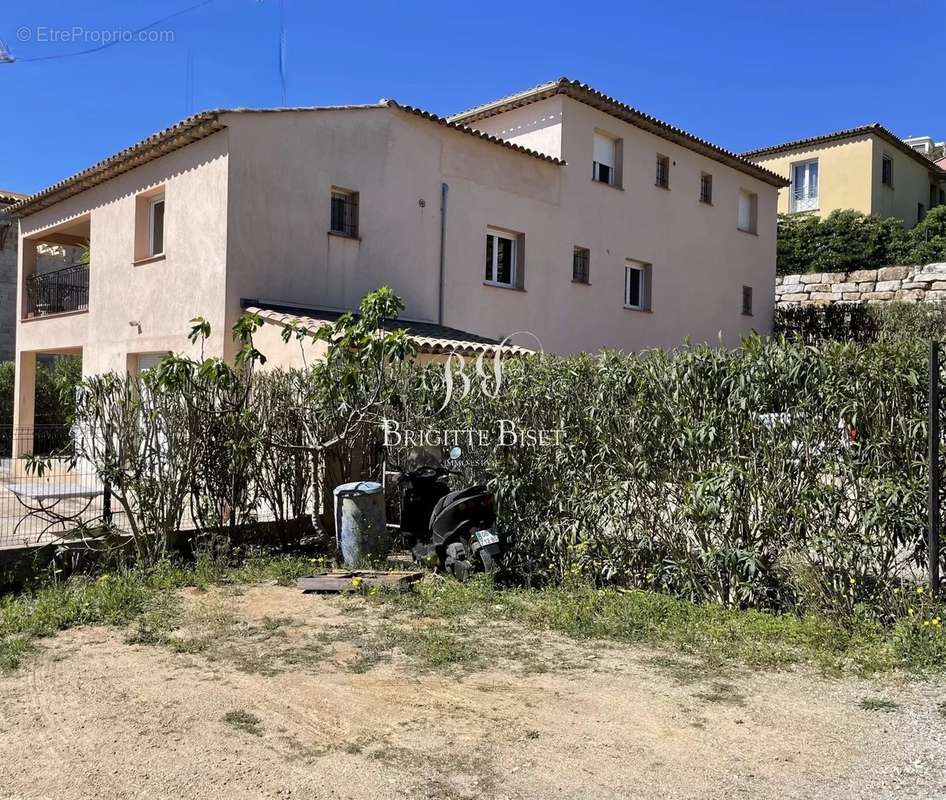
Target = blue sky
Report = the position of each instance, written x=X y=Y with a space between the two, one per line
x=742 y=74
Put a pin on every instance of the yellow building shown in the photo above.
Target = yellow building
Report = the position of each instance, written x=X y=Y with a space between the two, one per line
x=867 y=168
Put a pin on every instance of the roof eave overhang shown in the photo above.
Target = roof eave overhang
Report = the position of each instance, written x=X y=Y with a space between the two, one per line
x=167 y=141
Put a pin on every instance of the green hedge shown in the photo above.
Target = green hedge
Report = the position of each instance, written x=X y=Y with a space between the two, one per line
x=863 y=322
x=775 y=475
x=847 y=240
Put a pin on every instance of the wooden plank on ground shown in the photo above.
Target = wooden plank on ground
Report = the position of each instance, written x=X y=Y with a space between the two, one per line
x=340 y=580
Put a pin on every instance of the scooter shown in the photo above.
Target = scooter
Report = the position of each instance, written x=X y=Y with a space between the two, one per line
x=451 y=530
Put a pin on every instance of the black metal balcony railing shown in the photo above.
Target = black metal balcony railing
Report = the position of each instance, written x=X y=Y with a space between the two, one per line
x=58 y=292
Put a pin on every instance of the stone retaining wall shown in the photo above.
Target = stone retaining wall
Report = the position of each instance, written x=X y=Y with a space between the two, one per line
x=906 y=284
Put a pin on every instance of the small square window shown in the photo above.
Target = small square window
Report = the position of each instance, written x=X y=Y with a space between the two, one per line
x=501 y=258
x=886 y=171
x=663 y=172
x=344 y=212
x=747 y=301
x=706 y=188
x=637 y=278
x=581 y=259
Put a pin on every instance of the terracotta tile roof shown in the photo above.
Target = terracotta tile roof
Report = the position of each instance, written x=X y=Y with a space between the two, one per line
x=200 y=126
x=166 y=141
x=592 y=97
x=7 y=197
x=430 y=338
x=473 y=132
x=874 y=128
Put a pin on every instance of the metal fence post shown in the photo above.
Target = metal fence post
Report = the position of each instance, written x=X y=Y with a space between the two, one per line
x=107 y=503
x=933 y=506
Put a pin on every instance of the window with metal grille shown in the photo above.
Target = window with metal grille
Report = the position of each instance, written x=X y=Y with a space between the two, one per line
x=706 y=188
x=663 y=172
x=580 y=263
x=344 y=212
x=886 y=171
x=747 y=300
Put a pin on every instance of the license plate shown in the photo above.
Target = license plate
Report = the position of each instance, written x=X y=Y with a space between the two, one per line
x=486 y=537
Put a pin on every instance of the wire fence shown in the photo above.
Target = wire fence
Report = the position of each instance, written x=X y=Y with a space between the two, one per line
x=66 y=502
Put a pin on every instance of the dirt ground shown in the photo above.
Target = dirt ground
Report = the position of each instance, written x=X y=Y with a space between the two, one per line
x=267 y=693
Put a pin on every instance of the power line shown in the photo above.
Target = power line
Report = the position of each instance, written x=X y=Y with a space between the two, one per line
x=8 y=58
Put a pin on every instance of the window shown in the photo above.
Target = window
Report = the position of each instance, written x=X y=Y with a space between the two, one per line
x=501 y=256
x=942 y=196
x=748 y=211
x=156 y=226
x=150 y=229
x=747 y=301
x=607 y=152
x=145 y=361
x=886 y=171
x=663 y=172
x=637 y=285
x=920 y=212
x=344 y=212
x=805 y=186
x=580 y=262
x=706 y=188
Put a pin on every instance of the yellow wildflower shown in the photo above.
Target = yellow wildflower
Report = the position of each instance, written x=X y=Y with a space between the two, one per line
x=919 y=590
x=935 y=620
x=356 y=582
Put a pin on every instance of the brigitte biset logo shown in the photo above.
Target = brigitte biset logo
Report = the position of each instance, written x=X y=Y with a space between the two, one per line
x=461 y=377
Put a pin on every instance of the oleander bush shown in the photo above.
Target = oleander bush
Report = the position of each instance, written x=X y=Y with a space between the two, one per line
x=776 y=475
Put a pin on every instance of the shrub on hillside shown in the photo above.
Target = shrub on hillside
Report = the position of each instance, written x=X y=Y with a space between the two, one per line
x=845 y=240
x=928 y=239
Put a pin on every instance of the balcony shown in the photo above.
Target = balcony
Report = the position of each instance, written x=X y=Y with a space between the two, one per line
x=61 y=291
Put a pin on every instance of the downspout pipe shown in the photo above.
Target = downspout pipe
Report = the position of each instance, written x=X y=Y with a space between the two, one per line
x=444 y=188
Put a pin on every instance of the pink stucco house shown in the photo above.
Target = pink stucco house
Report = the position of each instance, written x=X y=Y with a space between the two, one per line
x=556 y=210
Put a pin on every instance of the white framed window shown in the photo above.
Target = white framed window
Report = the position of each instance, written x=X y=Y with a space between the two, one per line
x=147 y=361
x=502 y=256
x=805 y=185
x=637 y=280
x=604 y=166
x=156 y=226
x=748 y=211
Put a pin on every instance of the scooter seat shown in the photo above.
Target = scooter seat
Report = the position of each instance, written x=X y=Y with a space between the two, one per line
x=453 y=497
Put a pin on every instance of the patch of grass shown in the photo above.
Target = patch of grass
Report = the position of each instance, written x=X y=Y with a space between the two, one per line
x=244 y=721
x=878 y=704
x=709 y=633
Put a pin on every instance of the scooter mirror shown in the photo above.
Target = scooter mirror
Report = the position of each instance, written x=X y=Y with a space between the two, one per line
x=455 y=453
